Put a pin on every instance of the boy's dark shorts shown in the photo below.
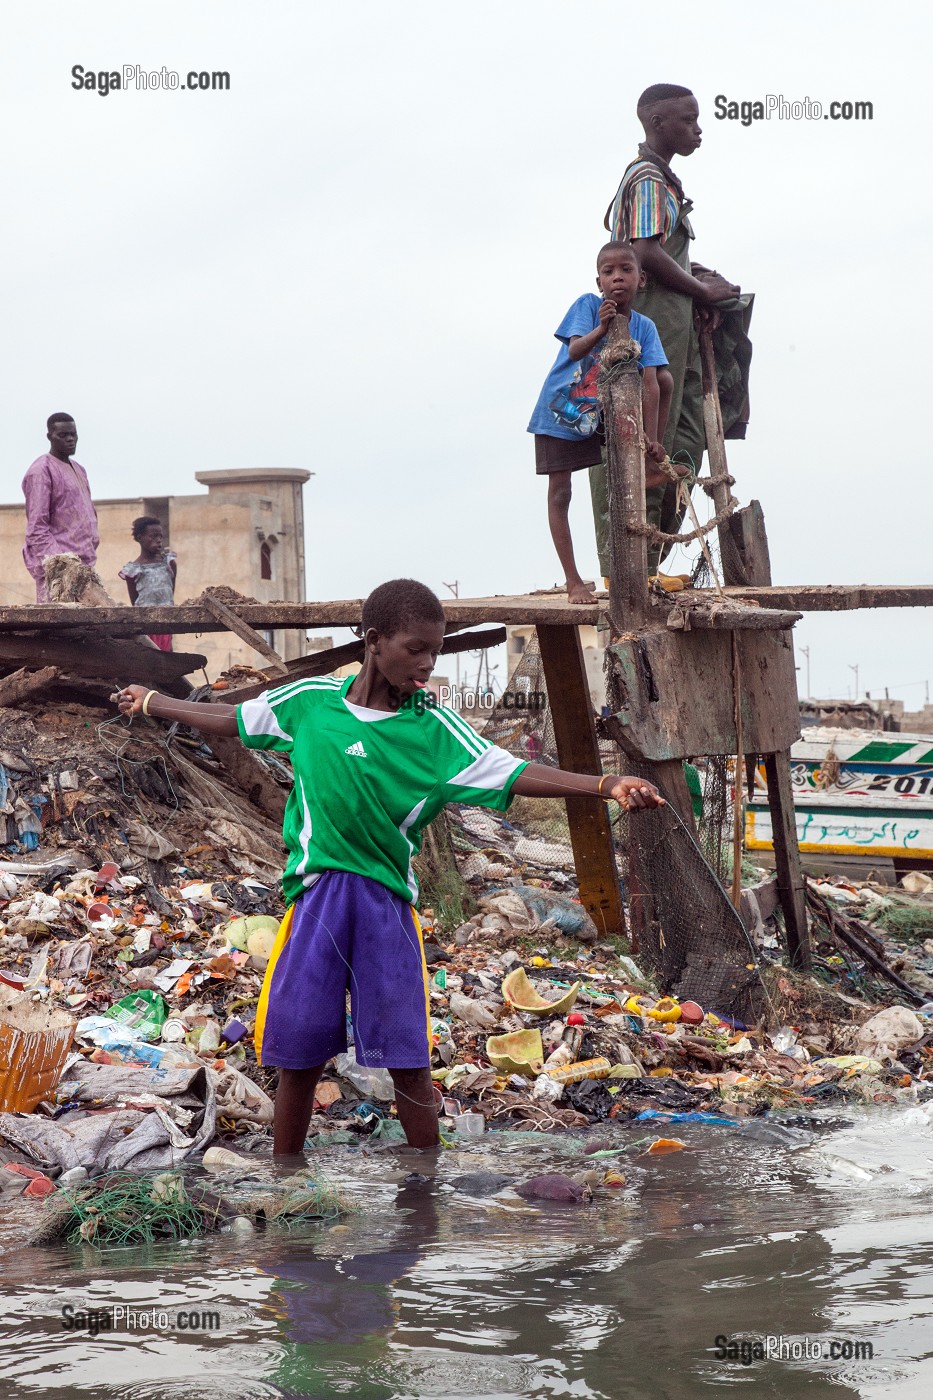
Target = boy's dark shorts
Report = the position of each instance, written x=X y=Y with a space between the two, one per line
x=565 y=455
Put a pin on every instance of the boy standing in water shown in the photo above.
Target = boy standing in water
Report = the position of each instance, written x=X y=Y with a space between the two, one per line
x=373 y=765
x=566 y=419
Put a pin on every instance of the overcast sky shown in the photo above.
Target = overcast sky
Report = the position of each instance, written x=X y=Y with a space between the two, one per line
x=354 y=261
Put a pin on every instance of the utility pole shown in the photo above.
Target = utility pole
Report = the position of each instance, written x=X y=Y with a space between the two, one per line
x=455 y=590
x=855 y=669
x=805 y=651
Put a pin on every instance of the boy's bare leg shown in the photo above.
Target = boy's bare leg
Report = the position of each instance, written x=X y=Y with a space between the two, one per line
x=558 y=508
x=294 y=1104
x=417 y=1109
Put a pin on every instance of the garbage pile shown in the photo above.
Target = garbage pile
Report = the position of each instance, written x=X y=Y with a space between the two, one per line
x=139 y=902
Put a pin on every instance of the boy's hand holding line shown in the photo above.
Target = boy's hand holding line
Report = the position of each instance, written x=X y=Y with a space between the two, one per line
x=632 y=794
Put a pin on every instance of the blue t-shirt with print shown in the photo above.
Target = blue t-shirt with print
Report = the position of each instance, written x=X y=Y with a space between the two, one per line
x=567 y=406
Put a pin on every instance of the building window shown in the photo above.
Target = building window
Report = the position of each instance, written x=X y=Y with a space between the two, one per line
x=265 y=560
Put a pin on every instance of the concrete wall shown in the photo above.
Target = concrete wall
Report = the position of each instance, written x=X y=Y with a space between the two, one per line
x=218 y=536
x=593 y=657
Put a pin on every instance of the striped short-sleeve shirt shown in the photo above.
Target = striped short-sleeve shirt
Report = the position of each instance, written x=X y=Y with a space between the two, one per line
x=646 y=205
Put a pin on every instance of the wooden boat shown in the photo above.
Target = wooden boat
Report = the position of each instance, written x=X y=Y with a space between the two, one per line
x=856 y=793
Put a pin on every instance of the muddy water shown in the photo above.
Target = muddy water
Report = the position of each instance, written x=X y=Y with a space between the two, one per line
x=433 y=1291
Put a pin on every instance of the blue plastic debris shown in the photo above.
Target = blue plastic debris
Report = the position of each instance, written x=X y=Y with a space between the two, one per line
x=684 y=1117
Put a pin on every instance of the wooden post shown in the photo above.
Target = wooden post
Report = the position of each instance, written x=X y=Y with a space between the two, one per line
x=791 y=886
x=620 y=395
x=747 y=528
x=716 y=451
x=745 y=559
x=578 y=751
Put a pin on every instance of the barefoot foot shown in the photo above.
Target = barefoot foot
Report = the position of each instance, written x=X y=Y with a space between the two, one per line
x=580 y=592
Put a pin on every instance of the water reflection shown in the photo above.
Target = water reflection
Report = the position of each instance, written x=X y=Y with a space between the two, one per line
x=430 y=1291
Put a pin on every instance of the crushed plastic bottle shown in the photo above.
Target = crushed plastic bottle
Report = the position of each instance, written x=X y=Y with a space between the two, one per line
x=583 y=1069
x=374 y=1083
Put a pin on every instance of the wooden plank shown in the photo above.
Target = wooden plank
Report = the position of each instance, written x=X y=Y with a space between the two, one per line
x=578 y=751
x=836 y=597
x=719 y=617
x=675 y=693
x=324 y=663
x=125 y=661
x=529 y=609
x=22 y=683
x=239 y=628
x=628 y=550
x=747 y=528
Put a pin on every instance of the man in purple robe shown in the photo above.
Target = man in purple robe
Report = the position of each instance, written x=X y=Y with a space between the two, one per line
x=60 y=515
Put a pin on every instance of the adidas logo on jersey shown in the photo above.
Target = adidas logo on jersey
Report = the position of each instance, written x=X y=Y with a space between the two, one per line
x=357 y=751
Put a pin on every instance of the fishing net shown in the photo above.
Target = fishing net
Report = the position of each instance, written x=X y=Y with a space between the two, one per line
x=128 y=1208
x=684 y=928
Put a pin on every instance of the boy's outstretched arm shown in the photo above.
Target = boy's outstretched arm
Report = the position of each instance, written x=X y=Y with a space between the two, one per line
x=210 y=719
x=631 y=793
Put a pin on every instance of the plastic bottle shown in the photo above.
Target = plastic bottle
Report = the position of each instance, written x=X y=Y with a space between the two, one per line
x=562 y=1055
x=573 y=1037
x=583 y=1069
x=220 y=1158
x=374 y=1083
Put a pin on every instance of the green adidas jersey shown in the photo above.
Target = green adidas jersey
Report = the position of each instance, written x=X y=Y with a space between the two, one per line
x=367 y=782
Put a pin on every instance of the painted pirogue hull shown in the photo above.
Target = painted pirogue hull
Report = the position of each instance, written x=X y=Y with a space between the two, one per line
x=856 y=793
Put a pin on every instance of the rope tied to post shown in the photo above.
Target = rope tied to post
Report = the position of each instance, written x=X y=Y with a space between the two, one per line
x=684 y=483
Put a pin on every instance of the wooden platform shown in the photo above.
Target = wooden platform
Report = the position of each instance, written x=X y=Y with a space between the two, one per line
x=525 y=608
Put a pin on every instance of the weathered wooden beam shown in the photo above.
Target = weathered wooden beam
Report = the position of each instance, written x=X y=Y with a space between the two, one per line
x=324 y=663
x=620 y=397
x=790 y=877
x=22 y=683
x=578 y=750
x=842 y=929
x=849 y=597
x=718 y=617
x=529 y=609
x=121 y=660
x=747 y=529
x=239 y=628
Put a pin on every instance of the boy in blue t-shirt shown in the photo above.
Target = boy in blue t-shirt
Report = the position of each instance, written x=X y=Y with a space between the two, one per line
x=566 y=419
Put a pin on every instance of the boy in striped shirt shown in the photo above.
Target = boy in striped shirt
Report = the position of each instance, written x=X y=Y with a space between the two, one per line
x=373 y=765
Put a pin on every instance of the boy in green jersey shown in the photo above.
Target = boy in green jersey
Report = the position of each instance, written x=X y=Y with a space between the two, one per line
x=373 y=765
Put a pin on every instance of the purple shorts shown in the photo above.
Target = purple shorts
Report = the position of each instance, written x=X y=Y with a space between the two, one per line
x=347 y=933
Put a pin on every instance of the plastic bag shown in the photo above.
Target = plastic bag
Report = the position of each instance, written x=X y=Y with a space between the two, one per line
x=143 y=1012
x=374 y=1083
